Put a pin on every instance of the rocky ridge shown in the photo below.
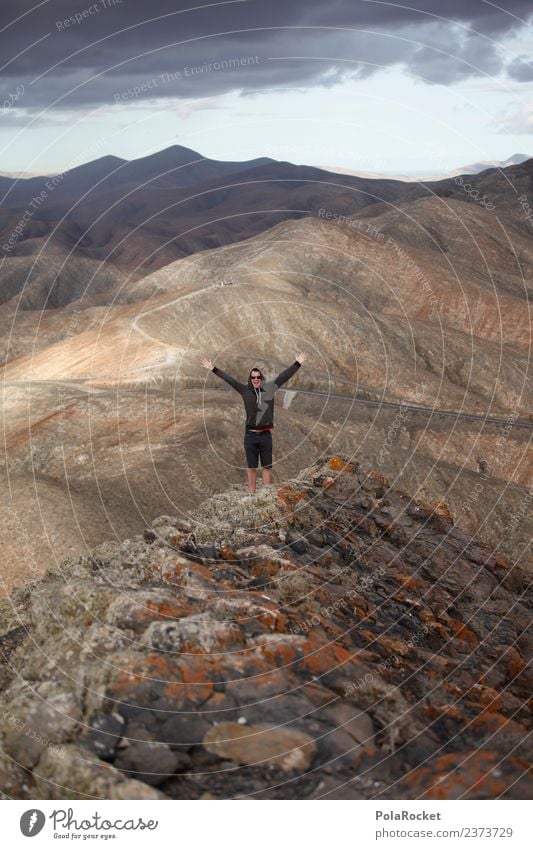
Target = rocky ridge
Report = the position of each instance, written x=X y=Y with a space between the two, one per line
x=330 y=637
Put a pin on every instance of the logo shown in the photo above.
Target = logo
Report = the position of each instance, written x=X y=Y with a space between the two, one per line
x=32 y=822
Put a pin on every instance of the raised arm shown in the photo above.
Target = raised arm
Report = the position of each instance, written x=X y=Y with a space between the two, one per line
x=223 y=374
x=286 y=375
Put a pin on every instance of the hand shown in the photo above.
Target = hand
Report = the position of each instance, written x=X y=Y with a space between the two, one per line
x=301 y=357
x=207 y=363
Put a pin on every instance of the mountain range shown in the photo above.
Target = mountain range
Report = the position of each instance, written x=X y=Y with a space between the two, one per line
x=117 y=277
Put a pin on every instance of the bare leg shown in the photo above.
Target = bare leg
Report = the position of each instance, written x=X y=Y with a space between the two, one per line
x=252 y=478
x=267 y=479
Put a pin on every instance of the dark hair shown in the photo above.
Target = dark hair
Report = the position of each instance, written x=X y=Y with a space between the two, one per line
x=257 y=369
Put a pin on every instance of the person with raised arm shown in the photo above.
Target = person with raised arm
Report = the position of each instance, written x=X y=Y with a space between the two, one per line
x=258 y=396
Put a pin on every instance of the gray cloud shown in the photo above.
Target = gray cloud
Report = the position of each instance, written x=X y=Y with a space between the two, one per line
x=117 y=46
x=521 y=69
x=451 y=54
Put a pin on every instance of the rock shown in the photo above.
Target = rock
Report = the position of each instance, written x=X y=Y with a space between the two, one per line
x=389 y=710
x=316 y=538
x=75 y=773
x=105 y=735
x=288 y=749
x=181 y=731
x=296 y=541
x=15 y=782
x=469 y=775
x=150 y=762
x=335 y=788
x=357 y=723
x=75 y=604
x=31 y=726
x=194 y=633
x=135 y=611
x=380 y=653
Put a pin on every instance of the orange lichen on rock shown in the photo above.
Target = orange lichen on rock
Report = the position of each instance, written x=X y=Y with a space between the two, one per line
x=181 y=694
x=494 y=722
x=198 y=669
x=290 y=496
x=339 y=465
x=154 y=665
x=275 y=620
x=200 y=569
x=227 y=553
x=280 y=653
x=325 y=559
x=410 y=600
x=513 y=662
x=138 y=675
x=321 y=658
x=409 y=582
x=265 y=568
x=168 y=609
x=487 y=696
x=393 y=646
x=436 y=711
x=501 y=561
x=441 y=509
x=174 y=573
x=176 y=539
x=428 y=618
x=468 y=774
x=463 y=633
x=378 y=478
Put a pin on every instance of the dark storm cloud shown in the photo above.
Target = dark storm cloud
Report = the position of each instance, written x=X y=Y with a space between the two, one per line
x=80 y=54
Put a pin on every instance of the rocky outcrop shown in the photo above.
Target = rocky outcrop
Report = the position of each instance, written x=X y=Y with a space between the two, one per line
x=327 y=638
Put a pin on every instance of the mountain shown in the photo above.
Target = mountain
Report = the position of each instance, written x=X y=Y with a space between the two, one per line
x=173 y=167
x=418 y=301
x=176 y=157
x=142 y=215
x=473 y=168
x=330 y=637
x=424 y=303
x=138 y=217
x=477 y=167
x=180 y=166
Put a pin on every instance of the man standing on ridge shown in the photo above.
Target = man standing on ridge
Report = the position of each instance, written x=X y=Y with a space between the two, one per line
x=258 y=398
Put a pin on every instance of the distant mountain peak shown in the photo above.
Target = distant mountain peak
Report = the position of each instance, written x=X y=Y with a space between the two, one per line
x=108 y=159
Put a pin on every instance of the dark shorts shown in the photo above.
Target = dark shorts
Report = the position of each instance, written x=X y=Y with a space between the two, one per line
x=258 y=445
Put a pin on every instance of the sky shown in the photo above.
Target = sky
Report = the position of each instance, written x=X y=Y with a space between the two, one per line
x=420 y=87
